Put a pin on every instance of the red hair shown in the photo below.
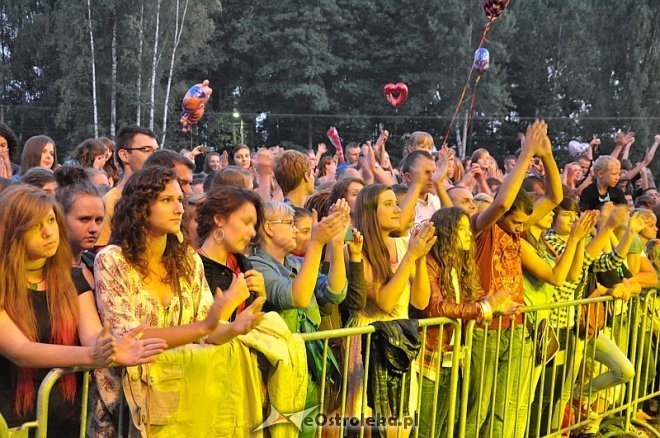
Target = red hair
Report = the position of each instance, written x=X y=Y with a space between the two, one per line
x=21 y=208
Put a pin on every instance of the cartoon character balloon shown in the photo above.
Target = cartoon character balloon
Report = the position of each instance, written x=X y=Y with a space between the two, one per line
x=194 y=103
x=494 y=8
x=396 y=94
x=481 y=60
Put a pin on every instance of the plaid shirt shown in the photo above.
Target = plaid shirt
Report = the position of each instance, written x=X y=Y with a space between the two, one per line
x=564 y=317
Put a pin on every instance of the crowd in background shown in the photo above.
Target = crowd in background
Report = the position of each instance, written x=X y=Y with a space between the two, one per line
x=127 y=249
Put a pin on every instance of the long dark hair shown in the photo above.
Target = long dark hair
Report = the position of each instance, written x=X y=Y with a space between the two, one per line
x=31 y=155
x=447 y=254
x=130 y=224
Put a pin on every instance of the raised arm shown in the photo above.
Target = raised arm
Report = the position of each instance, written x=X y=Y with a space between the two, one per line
x=554 y=192
x=556 y=275
x=512 y=183
x=386 y=296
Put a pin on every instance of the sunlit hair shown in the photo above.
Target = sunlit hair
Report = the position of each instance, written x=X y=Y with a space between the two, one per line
x=224 y=201
x=366 y=220
x=87 y=151
x=207 y=160
x=459 y=170
x=130 y=224
x=478 y=154
x=653 y=252
x=416 y=140
x=23 y=207
x=31 y=155
x=604 y=162
x=447 y=253
x=273 y=211
x=290 y=169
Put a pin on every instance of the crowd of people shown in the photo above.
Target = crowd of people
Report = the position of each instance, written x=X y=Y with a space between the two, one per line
x=128 y=249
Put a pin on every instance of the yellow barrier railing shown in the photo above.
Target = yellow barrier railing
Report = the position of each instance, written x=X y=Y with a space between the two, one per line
x=496 y=385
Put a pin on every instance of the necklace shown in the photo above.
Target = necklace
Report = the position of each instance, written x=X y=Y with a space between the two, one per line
x=35 y=285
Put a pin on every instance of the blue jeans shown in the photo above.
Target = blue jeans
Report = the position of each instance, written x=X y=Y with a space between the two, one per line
x=442 y=408
x=498 y=375
x=620 y=369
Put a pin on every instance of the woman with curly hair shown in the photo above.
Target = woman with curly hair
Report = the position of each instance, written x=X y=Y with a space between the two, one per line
x=149 y=273
x=47 y=316
x=455 y=293
x=8 y=146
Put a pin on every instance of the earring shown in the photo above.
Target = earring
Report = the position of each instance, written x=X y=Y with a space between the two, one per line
x=215 y=235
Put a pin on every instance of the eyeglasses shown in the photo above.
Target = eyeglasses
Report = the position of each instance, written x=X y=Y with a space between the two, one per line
x=143 y=149
x=288 y=222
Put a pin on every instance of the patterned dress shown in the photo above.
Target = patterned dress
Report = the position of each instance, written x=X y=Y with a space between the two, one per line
x=123 y=301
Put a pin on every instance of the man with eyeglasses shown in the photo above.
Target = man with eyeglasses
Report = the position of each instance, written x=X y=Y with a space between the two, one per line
x=133 y=146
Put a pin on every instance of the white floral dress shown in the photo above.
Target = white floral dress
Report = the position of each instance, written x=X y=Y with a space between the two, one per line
x=125 y=303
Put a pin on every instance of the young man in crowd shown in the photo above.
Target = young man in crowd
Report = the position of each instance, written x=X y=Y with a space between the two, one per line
x=504 y=360
x=133 y=146
x=295 y=177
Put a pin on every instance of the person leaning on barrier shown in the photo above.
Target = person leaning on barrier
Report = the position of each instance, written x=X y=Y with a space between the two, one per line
x=498 y=230
x=48 y=319
x=455 y=293
x=150 y=273
x=395 y=273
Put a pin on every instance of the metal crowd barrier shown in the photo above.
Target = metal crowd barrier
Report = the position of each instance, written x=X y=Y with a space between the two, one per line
x=530 y=399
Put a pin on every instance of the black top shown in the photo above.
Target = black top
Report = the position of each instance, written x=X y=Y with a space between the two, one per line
x=590 y=199
x=63 y=417
x=220 y=276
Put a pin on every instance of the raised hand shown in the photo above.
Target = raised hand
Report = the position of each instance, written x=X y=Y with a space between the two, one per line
x=355 y=246
x=534 y=137
x=583 y=226
x=132 y=350
x=342 y=207
x=422 y=240
x=321 y=148
x=249 y=318
x=636 y=223
x=329 y=227
x=224 y=159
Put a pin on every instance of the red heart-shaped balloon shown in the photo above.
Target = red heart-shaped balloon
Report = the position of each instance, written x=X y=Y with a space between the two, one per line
x=396 y=94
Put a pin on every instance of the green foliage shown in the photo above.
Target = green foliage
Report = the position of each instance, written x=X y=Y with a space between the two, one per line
x=587 y=66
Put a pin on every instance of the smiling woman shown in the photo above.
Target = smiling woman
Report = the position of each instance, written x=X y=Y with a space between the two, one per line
x=38 y=151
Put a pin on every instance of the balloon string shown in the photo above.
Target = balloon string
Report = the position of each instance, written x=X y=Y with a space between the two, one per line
x=471 y=110
x=461 y=96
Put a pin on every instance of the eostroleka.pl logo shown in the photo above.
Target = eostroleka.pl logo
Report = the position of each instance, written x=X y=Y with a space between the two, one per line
x=274 y=418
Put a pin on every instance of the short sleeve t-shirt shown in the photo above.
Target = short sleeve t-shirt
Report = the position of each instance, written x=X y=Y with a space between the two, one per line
x=500 y=265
